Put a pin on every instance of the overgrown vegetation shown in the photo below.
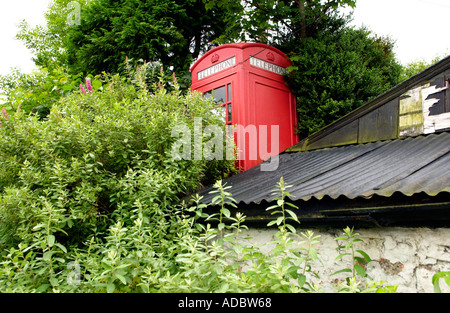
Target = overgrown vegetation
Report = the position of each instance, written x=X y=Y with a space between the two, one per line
x=90 y=201
x=102 y=155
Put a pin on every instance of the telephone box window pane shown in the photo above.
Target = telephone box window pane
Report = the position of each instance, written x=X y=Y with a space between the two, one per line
x=229 y=92
x=207 y=94
x=219 y=95
x=229 y=112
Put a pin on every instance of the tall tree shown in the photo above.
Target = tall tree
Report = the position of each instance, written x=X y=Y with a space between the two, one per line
x=48 y=42
x=338 y=72
x=173 y=32
x=275 y=21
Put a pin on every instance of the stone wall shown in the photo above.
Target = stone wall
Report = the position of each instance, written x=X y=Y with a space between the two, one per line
x=408 y=257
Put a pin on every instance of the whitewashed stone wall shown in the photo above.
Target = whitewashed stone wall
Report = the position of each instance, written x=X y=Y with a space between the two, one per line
x=408 y=257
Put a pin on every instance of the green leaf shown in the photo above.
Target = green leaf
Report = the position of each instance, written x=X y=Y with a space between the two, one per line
x=359 y=260
x=96 y=84
x=54 y=282
x=293 y=215
x=221 y=226
x=292 y=271
x=280 y=220
x=437 y=288
x=360 y=270
x=365 y=256
x=272 y=207
x=291 y=228
x=224 y=288
x=345 y=270
x=216 y=199
x=291 y=205
x=39 y=226
x=110 y=288
x=437 y=277
x=226 y=212
x=47 y=255
x=50 y=240
x=42 y=288
x=67 y=87
x=301 y=280
x=121 y=278
x=340 y=256
x=61 y=247
x=447 y=280
x=313 y=254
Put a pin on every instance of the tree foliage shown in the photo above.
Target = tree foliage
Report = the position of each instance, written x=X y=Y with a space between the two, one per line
x=338 y=68
x=414 y=67
x=49 y=42
x=337 y=72
x=277 y=21
x=171 y=31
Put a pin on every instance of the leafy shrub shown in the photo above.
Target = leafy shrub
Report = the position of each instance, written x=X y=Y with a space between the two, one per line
x=38 y=91
x=72 y=183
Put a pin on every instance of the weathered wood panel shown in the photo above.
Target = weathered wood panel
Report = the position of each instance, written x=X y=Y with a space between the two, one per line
x=411 y=113
x=344 y=136
x=380 y=124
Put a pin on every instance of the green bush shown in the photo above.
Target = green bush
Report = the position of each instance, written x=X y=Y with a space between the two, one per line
x=38 y=91
x=100 y=163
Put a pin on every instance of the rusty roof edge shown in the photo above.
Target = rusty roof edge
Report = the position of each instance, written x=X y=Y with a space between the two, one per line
x=375 y=103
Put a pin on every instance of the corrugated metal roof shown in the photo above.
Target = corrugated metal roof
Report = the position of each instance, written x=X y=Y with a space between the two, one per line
x=410 y=166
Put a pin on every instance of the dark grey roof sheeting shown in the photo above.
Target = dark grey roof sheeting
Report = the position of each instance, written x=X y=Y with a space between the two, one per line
x=411 y=165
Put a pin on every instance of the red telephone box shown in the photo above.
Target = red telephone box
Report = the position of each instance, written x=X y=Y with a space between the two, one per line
x=246 y=80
